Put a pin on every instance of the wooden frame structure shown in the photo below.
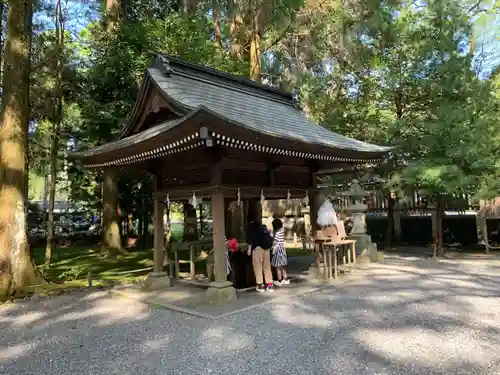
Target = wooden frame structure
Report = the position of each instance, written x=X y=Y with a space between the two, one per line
x=216 y=136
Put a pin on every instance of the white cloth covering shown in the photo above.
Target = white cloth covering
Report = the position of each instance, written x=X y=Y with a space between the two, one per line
x=326 y=214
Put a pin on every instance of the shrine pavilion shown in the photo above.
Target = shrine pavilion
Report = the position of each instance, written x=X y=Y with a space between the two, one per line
x=217 y=136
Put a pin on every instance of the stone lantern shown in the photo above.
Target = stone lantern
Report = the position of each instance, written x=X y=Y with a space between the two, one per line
x=356 y=207
x=366 y=250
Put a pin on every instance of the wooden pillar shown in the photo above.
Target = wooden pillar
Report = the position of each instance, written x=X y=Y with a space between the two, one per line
x=158 y=279
x=221 y=291
x=159 y=234
x=218 y=236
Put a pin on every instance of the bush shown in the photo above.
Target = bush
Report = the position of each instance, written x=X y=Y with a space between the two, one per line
x=74 y=273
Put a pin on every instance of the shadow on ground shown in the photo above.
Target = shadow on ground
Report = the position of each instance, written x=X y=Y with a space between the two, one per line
x=409 y=315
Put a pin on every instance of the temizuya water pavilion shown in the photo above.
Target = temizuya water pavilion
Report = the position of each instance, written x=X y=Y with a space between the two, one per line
x=219 y=136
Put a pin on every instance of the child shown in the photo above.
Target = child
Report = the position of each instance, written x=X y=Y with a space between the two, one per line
x=279 y=259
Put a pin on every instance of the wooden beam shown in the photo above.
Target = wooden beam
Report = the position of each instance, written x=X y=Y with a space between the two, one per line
x=271 y=174
x=231 y=163
x=292 y=168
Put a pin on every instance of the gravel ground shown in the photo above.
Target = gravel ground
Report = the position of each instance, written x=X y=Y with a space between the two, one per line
x=406 y=316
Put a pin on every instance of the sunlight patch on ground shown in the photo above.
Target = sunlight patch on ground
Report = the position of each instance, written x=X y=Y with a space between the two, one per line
x=222 y=340
x=385 y=298
x=27 y=318
x=108 y=310
x=289 y=314
x=13 y=352
x=115 y=310
x=158 y=342
x=425 y=347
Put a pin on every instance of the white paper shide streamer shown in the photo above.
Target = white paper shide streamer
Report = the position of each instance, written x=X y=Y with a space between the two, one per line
x=262 y=198
x=193 y=202
x=305 y=200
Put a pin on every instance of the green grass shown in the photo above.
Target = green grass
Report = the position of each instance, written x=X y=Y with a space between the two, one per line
x=297 y=252
x=74 y=263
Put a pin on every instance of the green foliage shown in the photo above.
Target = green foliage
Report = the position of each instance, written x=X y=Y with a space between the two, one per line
x=74 y=273
x=385 y=72
x=397 y=74
x=447 y=135
x=44 y=98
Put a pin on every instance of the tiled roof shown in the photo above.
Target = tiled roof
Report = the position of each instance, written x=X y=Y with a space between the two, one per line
x=248 y=104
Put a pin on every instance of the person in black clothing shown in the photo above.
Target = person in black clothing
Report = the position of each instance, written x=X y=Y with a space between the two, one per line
x=259 y=248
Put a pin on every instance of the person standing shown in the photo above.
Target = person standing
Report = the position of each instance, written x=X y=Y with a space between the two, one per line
x=279 y=259
x=260 y=242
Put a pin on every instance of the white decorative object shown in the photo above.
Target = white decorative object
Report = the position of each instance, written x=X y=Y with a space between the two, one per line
x=326 y=214
x=262 y=198
x=239 y=198
x=193 y=202
x=288 y=197
x=167 y=201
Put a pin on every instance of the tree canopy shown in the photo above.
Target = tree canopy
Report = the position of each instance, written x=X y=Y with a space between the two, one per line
x=407 y=74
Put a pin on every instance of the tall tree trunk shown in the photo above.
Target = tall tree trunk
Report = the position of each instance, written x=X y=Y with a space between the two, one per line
x=2 y=27
x=438 y=230
x=52 y=196
x=112 y=15
x=111 y=241
x=217 y=29
x=45 y=193
x=56 y=131
x=110 y=221
x=17 y=270
x=255 y=68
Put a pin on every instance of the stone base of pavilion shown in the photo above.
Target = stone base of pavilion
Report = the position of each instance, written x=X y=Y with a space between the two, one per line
x=190 y=297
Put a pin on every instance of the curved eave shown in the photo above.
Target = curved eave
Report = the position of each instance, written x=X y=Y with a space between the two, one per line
x=183 y=134
x=163 y=139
